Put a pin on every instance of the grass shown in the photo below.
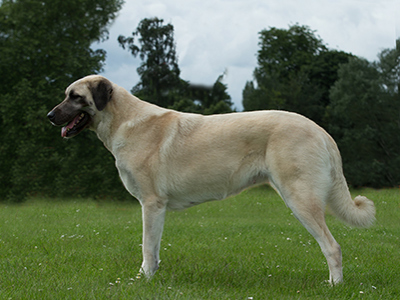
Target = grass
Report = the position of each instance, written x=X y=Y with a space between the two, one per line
x=247 y=247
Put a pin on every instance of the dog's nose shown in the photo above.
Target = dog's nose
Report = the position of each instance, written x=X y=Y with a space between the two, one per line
x=51 y=115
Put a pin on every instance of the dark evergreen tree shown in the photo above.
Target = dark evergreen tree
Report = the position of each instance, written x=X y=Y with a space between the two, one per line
x=44 y=46
x=159 y=71
x=160 y=81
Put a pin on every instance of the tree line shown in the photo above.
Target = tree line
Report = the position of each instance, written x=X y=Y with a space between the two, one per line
x=46 y=45
x=355 y=100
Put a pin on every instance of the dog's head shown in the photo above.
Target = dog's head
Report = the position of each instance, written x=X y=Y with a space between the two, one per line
x=84 y=99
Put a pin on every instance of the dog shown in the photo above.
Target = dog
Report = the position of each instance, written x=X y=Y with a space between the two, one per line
x=174 y=160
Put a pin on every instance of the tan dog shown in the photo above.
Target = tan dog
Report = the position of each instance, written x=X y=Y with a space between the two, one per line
x=169 y=159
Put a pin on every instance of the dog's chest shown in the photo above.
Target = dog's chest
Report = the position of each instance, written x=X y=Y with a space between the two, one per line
x=128 y=180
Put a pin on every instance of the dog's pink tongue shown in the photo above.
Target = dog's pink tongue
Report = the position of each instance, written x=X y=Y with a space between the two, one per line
x=64 y=130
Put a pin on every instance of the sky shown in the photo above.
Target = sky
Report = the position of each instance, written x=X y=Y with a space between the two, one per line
x=221 y=36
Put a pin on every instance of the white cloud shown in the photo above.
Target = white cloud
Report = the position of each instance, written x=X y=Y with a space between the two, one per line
x=217 y=35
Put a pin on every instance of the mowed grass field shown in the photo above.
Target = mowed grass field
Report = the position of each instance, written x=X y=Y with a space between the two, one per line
x=246 y=247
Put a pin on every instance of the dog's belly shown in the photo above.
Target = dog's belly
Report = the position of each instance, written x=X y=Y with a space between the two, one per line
x=197 y=193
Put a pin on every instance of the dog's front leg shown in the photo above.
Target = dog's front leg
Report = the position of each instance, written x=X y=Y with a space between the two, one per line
x=153 y=222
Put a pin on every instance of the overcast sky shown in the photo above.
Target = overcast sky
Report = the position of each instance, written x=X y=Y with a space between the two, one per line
x=214 y=36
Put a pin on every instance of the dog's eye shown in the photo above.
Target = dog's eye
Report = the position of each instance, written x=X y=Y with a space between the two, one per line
x=75 y=97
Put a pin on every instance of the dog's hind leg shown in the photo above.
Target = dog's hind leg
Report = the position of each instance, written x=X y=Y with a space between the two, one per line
x=313 y=220
x=153 y=211
x=309 y=210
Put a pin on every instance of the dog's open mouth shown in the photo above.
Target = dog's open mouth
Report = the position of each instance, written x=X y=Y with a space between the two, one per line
x=80 y=122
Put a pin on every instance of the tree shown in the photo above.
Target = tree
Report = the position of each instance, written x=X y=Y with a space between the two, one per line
x=207 y=99
x=159 y=72
x=365 y=120
x=284 y=52
x=295 y=72
x=44 y=46
x=217 y=101
x=160 y=81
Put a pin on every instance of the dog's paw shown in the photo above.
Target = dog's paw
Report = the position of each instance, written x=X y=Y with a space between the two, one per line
x=332 y=283
x=148 y=270
x=143 y=273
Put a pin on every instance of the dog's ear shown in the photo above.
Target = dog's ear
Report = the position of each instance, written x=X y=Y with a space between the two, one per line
x=101 y=93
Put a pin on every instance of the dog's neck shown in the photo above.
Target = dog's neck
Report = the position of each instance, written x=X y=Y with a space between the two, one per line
x=113 y=119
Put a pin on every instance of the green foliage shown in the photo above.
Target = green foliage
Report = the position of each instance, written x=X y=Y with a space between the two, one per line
x=159 y=72
x=160 y=81
x=44 y=46
x=285 y=52
x=357 y=101
x=247 y=246
x=295 y=72
x=205 y=100
x=365 y=121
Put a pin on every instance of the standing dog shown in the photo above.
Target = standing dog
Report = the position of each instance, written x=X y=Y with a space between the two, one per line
x=169 y=159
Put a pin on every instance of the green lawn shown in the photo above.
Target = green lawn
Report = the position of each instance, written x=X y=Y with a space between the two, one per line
x=246 y=247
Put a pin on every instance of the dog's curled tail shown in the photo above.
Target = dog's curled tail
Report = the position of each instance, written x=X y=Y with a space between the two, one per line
x=358 y=213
